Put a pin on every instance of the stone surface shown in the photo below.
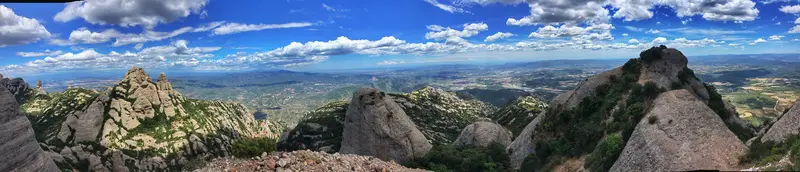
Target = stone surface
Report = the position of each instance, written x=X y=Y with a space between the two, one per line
x=19 y=150
x=376 y=126
x=304 y=161
x=685 y=134
x=524 y=144
x=483 y=133
x=787 y=125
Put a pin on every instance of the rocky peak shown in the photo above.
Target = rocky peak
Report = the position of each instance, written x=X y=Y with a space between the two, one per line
x=162 y=83
x=136 y=76
x=39 y=90
x=19 y=150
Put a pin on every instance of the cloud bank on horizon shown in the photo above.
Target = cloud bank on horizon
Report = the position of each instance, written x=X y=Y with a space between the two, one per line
x=213 y=35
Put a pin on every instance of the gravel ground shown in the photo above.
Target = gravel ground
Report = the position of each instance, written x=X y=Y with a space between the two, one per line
x=303 y=161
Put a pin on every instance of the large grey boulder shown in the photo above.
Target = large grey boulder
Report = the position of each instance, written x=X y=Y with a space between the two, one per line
x=524 y=144
x=483 y=133
x=680 y=133
x=19 y=150
x=85 y=125
x=376 y=126
x=787 y=125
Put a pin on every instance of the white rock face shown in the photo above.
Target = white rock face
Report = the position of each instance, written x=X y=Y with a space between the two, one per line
x=19 y=150
x=685 y=134
x=483 y=133
x=376 y=126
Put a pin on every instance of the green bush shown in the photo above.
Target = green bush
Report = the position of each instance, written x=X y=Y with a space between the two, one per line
x=605 y=154
x=762 y=153
x=252 y=147
x=651 y=54
x=652 y=119
x=454 y=158
x=651 y=90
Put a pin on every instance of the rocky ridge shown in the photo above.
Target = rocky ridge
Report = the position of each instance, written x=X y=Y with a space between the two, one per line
x=304 y=161
x=519 y=113
x=135 y=125
x=19 y=150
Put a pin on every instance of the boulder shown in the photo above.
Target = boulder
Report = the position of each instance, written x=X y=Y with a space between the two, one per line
x=483 y=133
x=680 y=133
x=376 y=126
x=85 y=125
x=19 y=150
x=785 y=126
x=524 y=144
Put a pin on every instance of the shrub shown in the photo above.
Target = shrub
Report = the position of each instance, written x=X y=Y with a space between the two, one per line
x=651 y=54
x=252 y=147
x=605 y=154
x=652 y=119
x=651 y=90
x=762 y=153
x=452 y=158
x=675 y=86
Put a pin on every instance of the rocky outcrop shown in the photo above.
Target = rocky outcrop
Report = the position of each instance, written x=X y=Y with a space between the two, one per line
x=439 y=114
x=136 y=125
x=518 y=113
x=18 y=88
x=376 y=126
x=524 y=144
x=304 y=161
x=320 y=130
x=586 y=88
x=19 y=150
x=483 y=133
x=680 y=133
x=785 y=126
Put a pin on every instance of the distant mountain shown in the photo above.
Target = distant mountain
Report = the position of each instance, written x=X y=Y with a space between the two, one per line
x=136 y=125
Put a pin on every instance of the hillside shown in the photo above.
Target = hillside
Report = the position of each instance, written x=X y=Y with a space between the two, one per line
x=136 y=125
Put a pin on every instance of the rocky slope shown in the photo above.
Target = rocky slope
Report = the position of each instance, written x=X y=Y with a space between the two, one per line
x=19 y=150
x=440 y=115
x=375 y=125
x=483 y=133
x=517 y=114
x=304 y=161
x=135 y=125
x=613 y=103
x=680 y=133
x=785 y=126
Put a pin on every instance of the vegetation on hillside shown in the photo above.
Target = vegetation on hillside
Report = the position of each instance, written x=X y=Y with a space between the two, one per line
x=447 y=158
x=763 y=153
x=252 y=147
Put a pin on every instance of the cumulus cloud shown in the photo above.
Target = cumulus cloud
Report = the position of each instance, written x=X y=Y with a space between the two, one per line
x=653 y=31
x=759 y=40
x=84 y=36
x=795 y=29
x=633 y=41
x=776 y=37
x=448 y=8
x=498 y=36
x=582 y=34
x=157 y=57
x=592 y=11
x=441 y=33
x=15 y=30
x=147 y=13
x=659 y=40
x=231 y=28
x=794 y=9
x=40 y=54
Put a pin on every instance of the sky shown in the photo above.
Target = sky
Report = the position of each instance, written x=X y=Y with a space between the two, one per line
x=311 y=35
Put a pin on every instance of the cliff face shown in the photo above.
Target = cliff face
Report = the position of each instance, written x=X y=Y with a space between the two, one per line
x=19 y=150
x=136 y=125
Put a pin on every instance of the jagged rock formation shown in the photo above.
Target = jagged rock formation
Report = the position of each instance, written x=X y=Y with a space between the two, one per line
x=376 y=126
x=681 y=133
x=524 y=144
x=19 y=150
x=304 y=161
x=614 y=102
x=785 y=126
x=320 y=130
x=17 y=87
x=441 y=115
x=136 y=125
x=483 y=133
x=517 y=114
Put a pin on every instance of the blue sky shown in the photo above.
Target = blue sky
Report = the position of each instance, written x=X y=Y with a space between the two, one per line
x=309 y=35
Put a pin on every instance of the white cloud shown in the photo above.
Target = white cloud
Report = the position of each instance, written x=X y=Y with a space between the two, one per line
x=794 y=9
x=392 y=62
x=707 y=32
x=795 y=40
x=208 y=26
x=776 y=37
x=40 y=54
x=497 y=36
x=734 y=45
x=592 y=11
x=84 y=36
x=795 y=29
x=326 y=7
x=633 y=41
x=231 y=28
x=441 y=33
x=759 y=40
x=15 y=30
x=624 y=34
x=148 y=36
x=138 y=46
x=448 y=8
x=653 y=31
x=598 y=31
x=147 y=13
x=659 y=40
